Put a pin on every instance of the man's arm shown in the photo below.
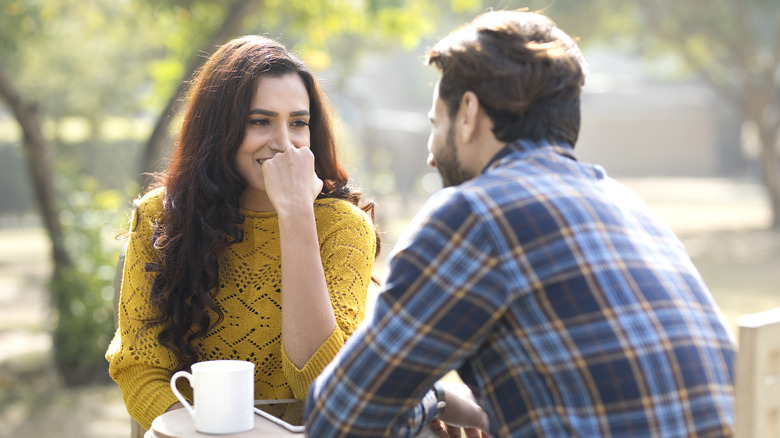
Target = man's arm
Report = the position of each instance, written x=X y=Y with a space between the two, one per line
x=434 y=312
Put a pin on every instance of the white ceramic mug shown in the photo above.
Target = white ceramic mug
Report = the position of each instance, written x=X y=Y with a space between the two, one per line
x=223 y=395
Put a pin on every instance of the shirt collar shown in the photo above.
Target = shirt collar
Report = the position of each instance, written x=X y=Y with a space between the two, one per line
x=561 y=148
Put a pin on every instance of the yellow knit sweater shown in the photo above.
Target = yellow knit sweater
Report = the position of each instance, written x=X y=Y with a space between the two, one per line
x=249 y=296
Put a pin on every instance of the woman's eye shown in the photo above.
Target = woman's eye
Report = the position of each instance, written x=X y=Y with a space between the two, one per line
x=259 y=122
x=300 y=123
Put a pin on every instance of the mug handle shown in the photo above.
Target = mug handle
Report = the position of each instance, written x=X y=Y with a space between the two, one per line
x=178 y=395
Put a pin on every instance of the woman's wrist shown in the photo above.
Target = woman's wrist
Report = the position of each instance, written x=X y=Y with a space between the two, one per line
x=294 y=209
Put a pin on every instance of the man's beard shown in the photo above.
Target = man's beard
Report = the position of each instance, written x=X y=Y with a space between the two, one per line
x=451 y=171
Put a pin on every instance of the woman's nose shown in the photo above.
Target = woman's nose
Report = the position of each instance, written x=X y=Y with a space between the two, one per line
x=281 y=140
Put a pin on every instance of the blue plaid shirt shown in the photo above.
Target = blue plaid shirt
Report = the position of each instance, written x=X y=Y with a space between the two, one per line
x=561 y=300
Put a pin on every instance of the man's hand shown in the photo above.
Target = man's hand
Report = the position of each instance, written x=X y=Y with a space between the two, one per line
x=461 y=411
x=444 y=430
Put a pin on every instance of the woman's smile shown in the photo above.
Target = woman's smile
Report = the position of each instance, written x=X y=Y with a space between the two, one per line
x=277 y=119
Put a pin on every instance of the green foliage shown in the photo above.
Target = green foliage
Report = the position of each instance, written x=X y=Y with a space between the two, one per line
x=592 y=20
x=327 y=30
x=83 y=293
x=18 y=17
x=182 y=27
x=79 y=57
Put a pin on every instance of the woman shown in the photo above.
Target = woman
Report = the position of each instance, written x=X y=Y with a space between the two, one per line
x=253 y=247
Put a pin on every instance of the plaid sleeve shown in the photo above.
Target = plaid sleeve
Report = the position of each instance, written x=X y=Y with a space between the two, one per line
x=426 y=322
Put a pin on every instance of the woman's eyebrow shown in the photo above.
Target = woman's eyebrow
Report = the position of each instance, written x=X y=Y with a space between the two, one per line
x=263 y=112
x=275 y=114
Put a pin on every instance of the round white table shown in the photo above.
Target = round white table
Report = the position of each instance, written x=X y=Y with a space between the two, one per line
x=179 y=424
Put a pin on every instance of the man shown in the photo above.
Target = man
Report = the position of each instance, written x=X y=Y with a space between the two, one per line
x=563 y=302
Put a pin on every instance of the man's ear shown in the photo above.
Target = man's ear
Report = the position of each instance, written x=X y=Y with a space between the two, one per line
x=468 y=116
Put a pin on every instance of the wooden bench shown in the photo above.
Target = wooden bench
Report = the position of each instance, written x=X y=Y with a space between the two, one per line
x=758 y=375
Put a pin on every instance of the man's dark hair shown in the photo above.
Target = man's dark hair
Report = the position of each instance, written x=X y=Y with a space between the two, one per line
x=526 y=72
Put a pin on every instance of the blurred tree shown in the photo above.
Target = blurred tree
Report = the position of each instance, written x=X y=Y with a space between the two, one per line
x=84 y=289
x=733 y=45
x=20 y=19
x=39 y=163
x=60 y=61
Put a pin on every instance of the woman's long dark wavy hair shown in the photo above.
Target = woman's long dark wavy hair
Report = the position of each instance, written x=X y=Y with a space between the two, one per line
x=202 y=185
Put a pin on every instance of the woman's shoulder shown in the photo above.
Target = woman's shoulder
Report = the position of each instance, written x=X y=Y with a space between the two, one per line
x=339 y=209
x=151 y=204
x=340 y=221
x=335 y=215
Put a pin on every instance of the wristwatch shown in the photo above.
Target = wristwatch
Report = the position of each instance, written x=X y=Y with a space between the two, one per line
x=441 y=401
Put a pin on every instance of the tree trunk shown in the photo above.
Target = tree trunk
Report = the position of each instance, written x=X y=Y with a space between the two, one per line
x=39 y=162
x=770 y=165
x=757 y=89
x=78 y=340
x=759 y=92
x=231 y=25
